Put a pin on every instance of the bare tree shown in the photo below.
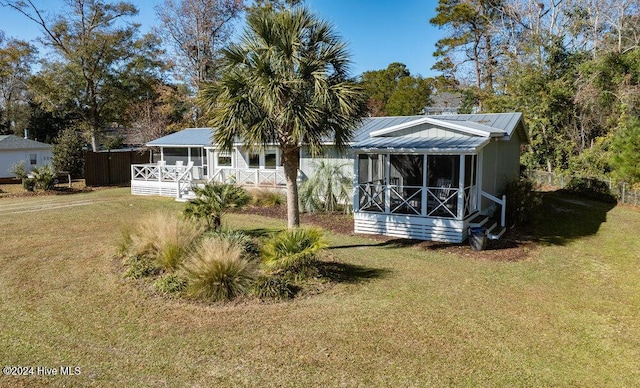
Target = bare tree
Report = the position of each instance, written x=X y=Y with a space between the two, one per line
x=198 y=29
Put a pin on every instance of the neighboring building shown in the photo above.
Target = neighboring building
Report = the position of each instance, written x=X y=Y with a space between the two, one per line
x=423 y=177
x=14 y=149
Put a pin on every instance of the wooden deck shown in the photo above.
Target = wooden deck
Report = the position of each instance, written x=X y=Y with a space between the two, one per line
x=177 y=181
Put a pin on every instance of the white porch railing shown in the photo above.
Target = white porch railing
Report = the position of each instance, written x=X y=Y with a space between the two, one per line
x=250 y=177
x=444 y=202
x=503 y=205
x=164 y=173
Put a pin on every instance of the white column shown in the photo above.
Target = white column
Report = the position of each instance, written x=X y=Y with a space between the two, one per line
x=356 y=186
x=479 y=168
x=387 y=189
x=461 y=189
x=425 y=184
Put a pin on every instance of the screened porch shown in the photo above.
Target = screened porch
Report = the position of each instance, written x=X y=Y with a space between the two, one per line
x=417 y=185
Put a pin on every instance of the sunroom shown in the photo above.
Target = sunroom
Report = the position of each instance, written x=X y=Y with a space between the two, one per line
x=431 y=179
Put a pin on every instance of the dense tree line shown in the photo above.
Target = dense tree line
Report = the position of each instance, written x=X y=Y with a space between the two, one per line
x=572 y=66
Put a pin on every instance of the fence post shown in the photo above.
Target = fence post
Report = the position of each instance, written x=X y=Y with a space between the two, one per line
x=624 y=187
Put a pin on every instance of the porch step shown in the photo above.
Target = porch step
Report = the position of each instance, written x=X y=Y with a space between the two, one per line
x=478 y=221
x=496 y=233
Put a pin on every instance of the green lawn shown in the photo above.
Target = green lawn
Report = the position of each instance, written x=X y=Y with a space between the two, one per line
x=569 y=314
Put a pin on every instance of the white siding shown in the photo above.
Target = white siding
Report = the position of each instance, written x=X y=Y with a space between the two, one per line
x=501 y=164
x=9 y=158
x=428 y=131
x=331 y=155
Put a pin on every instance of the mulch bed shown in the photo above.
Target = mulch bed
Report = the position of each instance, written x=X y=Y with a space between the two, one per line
x=513 y=246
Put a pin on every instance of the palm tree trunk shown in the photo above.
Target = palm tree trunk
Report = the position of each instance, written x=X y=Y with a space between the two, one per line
x=291 y=161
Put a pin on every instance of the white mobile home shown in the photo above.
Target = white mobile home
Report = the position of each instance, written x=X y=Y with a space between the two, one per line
x=423 y=177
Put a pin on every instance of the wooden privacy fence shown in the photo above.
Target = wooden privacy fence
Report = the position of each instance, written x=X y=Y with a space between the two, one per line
x=111 y=167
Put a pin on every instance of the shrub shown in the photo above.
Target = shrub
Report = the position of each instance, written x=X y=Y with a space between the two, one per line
x=590 y=188
x=267 y=198
x=40 y=178
x=140 y=267
x=523 y=202
x=213 y=200
x=217 y=271
x=329 y=189
x=68 y=153
x=166 y=239
x=249 y=247
x=293 y=250
x=274 y=287
x=171 y=283
x=125 y=242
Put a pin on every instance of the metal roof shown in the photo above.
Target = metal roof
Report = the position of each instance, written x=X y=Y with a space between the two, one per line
x=199 y=137
x=12 y=142
x=493 y=124
x=505 y=122
x=416 y=144
x=372 y=124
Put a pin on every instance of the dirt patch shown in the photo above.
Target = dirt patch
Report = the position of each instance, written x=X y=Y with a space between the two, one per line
x=513 y=246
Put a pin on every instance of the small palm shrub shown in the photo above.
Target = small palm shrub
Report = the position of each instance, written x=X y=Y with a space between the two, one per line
x=329 y=189
x=167 y=239
x=217 y=271
x=274 y=287
x=267 y=198
x=213 y=200
x=171 y=283
x=293 y=250
x=40 y=178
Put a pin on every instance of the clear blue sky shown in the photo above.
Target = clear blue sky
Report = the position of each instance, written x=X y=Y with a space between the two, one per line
x=378 y=32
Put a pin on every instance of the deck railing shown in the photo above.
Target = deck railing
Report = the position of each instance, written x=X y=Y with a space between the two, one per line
x=163 y=173
x=250 y=177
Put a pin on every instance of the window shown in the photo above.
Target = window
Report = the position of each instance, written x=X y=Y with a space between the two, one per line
x=224 y=159
x=254 y=160
x=33 y=159
x=270 y=160
x=172 y=155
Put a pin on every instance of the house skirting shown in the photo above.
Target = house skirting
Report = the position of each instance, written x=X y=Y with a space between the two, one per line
x=413 y=227
x=163 y=189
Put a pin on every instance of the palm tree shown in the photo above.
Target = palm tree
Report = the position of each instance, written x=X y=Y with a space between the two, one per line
x=328 y=189
x=286 y=82
x=213 y=200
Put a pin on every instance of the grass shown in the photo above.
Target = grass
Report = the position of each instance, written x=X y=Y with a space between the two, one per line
x=567 y=315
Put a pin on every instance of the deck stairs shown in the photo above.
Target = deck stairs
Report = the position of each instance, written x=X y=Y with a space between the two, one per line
x=187 y=193
x=494 y=232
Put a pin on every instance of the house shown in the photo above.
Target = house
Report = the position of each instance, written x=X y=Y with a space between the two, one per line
x=14 y=149
x=422 y=177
